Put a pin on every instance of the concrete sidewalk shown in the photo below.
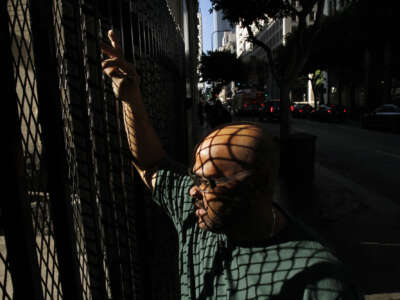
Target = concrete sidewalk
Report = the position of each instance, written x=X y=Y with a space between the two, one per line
x=363 y=227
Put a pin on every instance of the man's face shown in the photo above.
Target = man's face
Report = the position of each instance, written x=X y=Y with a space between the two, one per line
x=219 y=191
x=230 y=176
x=220 y=202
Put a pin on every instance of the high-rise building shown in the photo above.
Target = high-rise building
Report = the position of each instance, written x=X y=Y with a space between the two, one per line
x=220 y=25
x=200 y=28
x=200 y=85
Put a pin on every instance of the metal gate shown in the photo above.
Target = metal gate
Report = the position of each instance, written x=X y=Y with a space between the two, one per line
x=70 y=225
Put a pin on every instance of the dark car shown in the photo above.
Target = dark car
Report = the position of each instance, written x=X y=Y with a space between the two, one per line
x=329 y=113
x=339 y=111
x=271 y=111
x=386 y=117
x=301 y=110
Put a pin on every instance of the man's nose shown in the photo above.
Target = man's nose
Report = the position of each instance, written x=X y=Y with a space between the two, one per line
x=197 y=196
x=194 y=192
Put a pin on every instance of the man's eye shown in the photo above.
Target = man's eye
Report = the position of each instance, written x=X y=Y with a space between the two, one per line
x=204 y=182
x=212 y=183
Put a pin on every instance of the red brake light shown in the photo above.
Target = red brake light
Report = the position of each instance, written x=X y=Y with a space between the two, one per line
x=291 y=108
x=329 y=111
x=271 y=109
x=300 y=110
x=344 y=110
x=262 y=104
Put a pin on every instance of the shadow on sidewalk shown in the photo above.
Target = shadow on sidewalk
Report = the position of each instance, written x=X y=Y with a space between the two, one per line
x=364 y=239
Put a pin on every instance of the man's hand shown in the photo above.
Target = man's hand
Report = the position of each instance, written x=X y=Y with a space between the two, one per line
x=143 y=141
x=125 y=80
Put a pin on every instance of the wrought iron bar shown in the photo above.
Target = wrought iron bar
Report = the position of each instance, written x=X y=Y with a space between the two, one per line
x=50 y=113
x=15 y=209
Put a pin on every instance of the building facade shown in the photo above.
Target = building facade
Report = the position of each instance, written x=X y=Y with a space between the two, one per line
x=273 y=34
x=220 y=25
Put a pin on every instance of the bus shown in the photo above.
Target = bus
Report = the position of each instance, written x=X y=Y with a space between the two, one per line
x=248 y=102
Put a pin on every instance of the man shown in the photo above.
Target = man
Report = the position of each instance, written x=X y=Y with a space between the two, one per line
x=235 y=243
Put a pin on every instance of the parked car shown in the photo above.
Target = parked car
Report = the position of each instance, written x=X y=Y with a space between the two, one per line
x=271 y=111
x=386 y=117
x=339 y=111
x=330 y=113
x=301 y=110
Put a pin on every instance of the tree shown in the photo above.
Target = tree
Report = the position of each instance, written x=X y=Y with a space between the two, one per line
x=317 y=80
x=220 y=68
x=293 y=55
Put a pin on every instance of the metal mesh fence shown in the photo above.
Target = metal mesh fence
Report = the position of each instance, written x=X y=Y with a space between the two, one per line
x=35 y=171
x=84 y=212
x=6 y=288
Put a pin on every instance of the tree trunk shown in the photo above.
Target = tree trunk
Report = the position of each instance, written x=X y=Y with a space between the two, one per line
x=284 y=135
x=339 y=91
x=371 y=80
x=285 y=118
x=387 y=88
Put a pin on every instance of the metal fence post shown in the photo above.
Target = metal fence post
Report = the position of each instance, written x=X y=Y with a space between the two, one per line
x=18 y=229
x=53 y=141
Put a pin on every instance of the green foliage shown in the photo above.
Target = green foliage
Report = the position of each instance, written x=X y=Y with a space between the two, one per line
x=252 y=11
x=287 y=62
x=221 y=67
x=318 y=78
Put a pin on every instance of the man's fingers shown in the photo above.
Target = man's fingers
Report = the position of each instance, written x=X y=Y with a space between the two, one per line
x=113 y=39
x=110 y=51
x=114 y=50
x=111 y=62
x=117 y=62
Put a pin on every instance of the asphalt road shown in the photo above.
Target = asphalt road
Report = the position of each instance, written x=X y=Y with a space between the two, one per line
x=367 y=157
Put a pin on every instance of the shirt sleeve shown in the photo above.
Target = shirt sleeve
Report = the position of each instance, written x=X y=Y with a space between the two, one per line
x=171 y=192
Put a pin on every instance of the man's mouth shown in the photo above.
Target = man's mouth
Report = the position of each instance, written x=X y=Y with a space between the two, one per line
x=200 y=214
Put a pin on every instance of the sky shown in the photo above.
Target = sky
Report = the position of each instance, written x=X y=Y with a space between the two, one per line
x=208 y=27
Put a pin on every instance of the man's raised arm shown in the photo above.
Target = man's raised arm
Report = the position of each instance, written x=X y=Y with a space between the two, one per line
x=143 y=141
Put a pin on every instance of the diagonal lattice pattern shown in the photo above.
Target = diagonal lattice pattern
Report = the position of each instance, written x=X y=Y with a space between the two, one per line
x=6 y=287
x=35 y=171
x=109 y=220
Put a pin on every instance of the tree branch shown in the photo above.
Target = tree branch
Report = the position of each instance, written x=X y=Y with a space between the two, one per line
x=267 y=49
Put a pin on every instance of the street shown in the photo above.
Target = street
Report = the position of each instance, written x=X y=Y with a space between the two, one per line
x=369 y=158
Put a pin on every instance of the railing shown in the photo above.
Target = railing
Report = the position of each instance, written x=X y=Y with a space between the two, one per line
x=72 y=212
